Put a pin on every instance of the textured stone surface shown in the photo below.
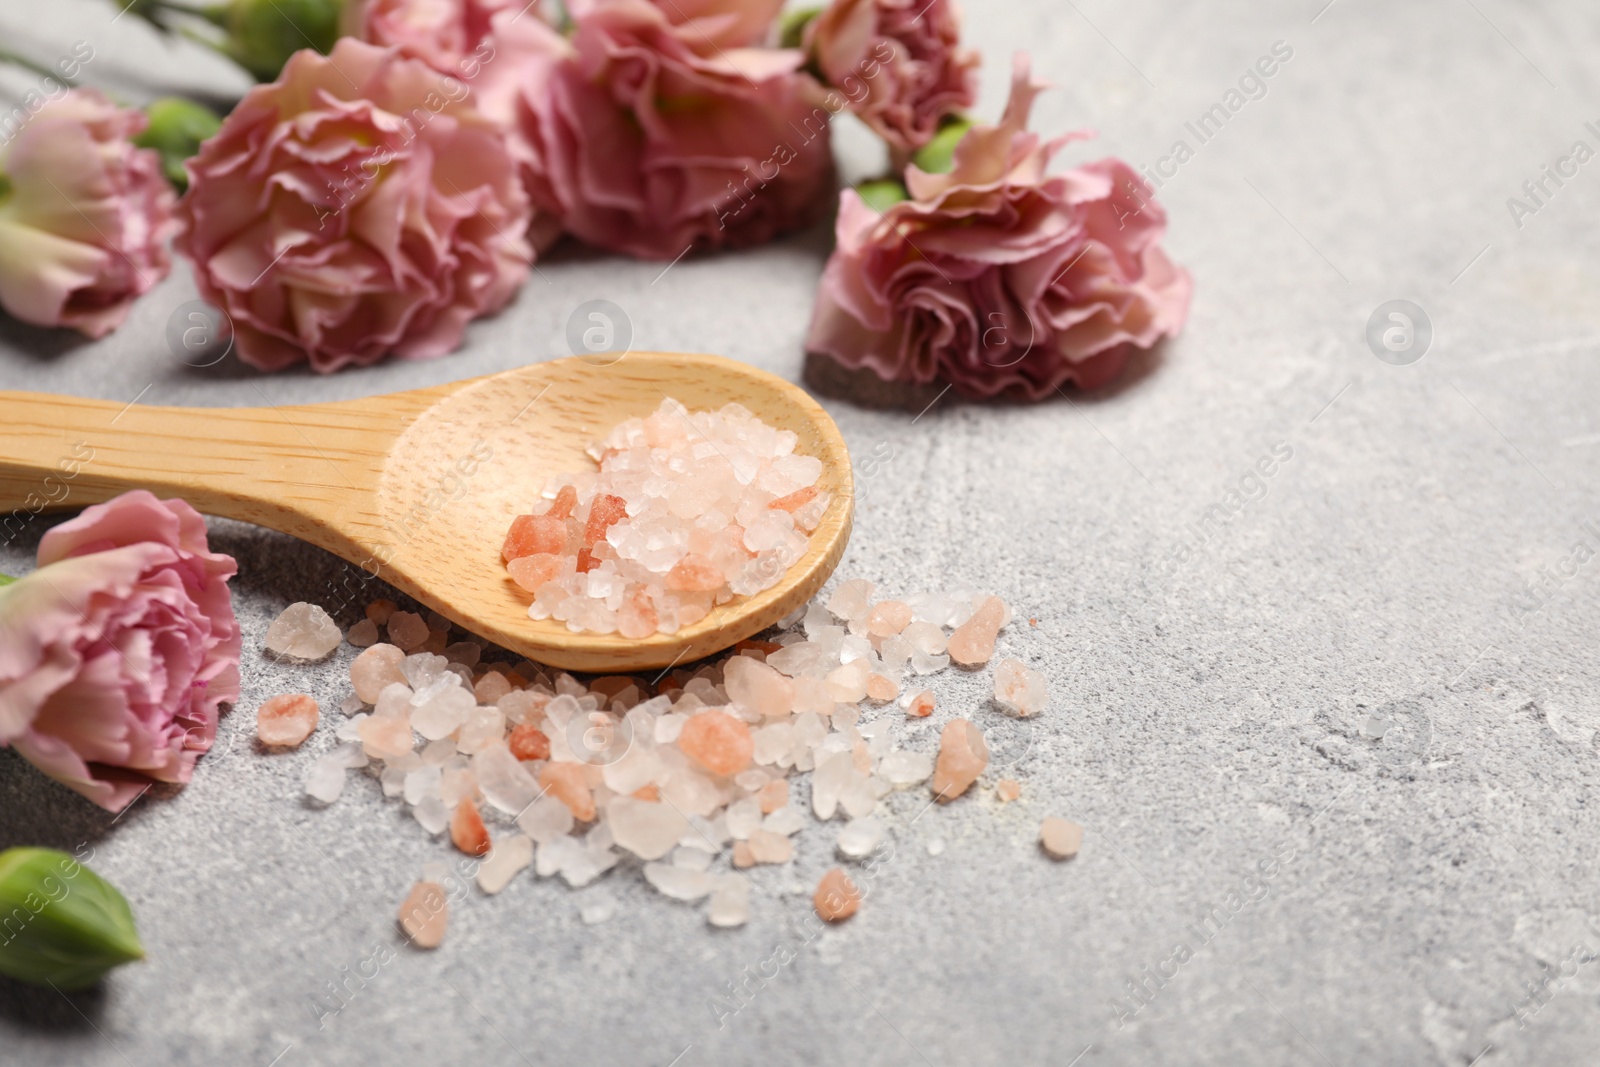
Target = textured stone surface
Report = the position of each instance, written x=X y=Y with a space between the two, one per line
x=1205 y=718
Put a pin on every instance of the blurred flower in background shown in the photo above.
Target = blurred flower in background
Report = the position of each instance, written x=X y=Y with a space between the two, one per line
x=84 y=215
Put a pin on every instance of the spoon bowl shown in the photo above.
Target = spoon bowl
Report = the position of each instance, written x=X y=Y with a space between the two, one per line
x=418 y=488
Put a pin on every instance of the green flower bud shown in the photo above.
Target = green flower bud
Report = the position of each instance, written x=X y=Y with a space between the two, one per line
x=883 y=194
x=792 y=28
x=176 y=129
x=938 y=155
x=60 y=923
x=263 y=34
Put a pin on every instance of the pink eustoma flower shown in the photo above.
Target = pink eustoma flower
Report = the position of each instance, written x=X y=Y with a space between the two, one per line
x=358 y=206
x=84 y=215
x=117 y=651
x=998 y=277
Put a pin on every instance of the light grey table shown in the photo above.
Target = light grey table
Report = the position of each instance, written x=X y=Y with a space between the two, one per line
x=1205 y=718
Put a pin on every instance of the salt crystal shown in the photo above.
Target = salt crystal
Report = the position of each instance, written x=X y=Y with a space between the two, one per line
x=921 y=705
x=422 y=669
x=1060 y=838
x=848 y=684
x=377 y=667
x=363 y=634
x=925 y=637
x=773 y=795
x=860 y=836
x=303 y=633
x=286 y=720
x=647 y=829
x=837 y=897
x=678 y=883
x=407 y=630
x=1019 y=689
x=508 y=856
x=325 y=780
x=785 y=821
x=1007 y=790
x=379 y=611
x=903 y=768
x=691 y=859
x=352 y=704
x=859 y=797
x=888 y=617
x=386 y=736
x=545 y=820
x=730 y=901
x=717 y=741
x=973 y=641
x=420 y=783
x=757 y=687
x=467 y=831
x=596 y=909
x=963 y=754
x=770 y=742
x=569 y=783
x=852 y=600
x=466 y=653
x=505 y=783
x=743 y=817
x=435 y=753
x=882 y=688
x=936 y=847
x=424 y=915
x=490 y=688
x=483 y=726
x=923 y=663
x=829 y=781
x=432 y=815
x=348 y=755
x=768 y=847
x=441 y=712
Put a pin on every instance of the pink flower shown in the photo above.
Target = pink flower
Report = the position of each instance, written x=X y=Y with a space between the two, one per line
x=84 y=216
x=441 y=33
x=998 y=277
x=646 y=137
x=117 y=651
x=357 y=206
x=899 y=62
x=722 y=23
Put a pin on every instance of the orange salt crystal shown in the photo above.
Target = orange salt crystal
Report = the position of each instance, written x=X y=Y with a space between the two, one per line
x=561 y=507
x=529 y=742
x=795 y=500
x=742 y=856
x=773 y=795
x=567 y=783
x=881 y=688
x=921 y=705
x=604 y=512
x=467 y=831
x=1008 y=789
x=535 y=569
x=837 y=897
x=963 y=754
x=888 y=618
x=972 y=643
x=648 y=792
x=718 y=742
x=424 y=914
x=286 y=720
x=766 y=648
x=531 y=534
x=694 y=573
x=380 y=610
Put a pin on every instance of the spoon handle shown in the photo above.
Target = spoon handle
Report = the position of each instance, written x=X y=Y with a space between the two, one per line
x=309 y=471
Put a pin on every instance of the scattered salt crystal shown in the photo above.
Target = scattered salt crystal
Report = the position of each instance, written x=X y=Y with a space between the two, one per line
x=1060 y=838
x=466 y=653
x=829 y=781
x=921 y=705
x=467 y=831
x=505 y=783
x=860 y=836
x=756 y=687
x=786 y=821
x=903 y=768
x=435 y=753
x=888 y=617
x=483 y=727
x=730 y=901
x=647 y=829
x=325 y=781
x=377 y=667
x=936 y=847
x=882 y=688
x=363 y=634
x=386 y=736
x=677 y=882
x=973 y=641
x=441 y=711
x=768 y=847
x=407 y=630
x=350 y=729
x=597 y=909
x=1008 y=789
x=422 y=669
x=508 y=856
x=286 y=720
x=432 y=815
x=491 y=688
x=379 y=611
x=743 y=817
x=837 y=897
x=963 y=754
x=424 y=915
x=352 y=704
x=545 y=820
x=303 y=633
x=1019 y=689
x=691 y=859
x=852 y=600
x=421 y=783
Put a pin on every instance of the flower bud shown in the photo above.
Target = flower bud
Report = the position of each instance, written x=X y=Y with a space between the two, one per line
x=60 y=923
x=176 y=129
x=882 y=194
x=938 y=155
x=263 y=34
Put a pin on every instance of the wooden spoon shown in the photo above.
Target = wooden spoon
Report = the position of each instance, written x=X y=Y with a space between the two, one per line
x=418 y=488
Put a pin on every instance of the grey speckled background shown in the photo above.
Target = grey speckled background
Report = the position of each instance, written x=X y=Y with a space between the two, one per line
x=1203 y=721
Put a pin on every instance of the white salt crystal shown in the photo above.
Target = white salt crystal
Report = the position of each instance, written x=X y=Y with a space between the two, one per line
x=505 y=782
x=829 y=781
x=596 y=908
x=350 y=729
x=303 y=633
x=691 y=859
x=923 y=663
x=509 y=855
x=422 y=668
x=668 y=727
x=852 y=600
x=325 y=780
x=743 y=817
x=648 y=829
x=352 y=705
x=936 y=847
x=860 y=836
x=772 y=741
x=677 y=882
x=546 y=819
x=349 y=755
x=730 y=900
x=432 y=815
x=787 y=821
x=456 y=783
x=903 y=768
x=859 y=798
x=441 y=711
x=363 y=634
x=421 y=783
x=482 y=727
x=436 y=753
x=1019 y=689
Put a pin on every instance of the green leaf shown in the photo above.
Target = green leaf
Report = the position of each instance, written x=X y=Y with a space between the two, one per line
x=5 y=580
x=938 y=155
x=883 y=194
x=177 y=127
x=60 y=923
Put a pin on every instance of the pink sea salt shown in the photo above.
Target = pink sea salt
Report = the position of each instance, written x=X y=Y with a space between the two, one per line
x=963 y=754
x=286 y=720
x=973 y=641
x=375 y=668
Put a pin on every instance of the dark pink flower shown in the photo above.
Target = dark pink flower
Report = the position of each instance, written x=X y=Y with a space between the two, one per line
x=998 y=277
x=84 y=215
x=441 y=33
x=899 y=62
x=644 y=136
x=117 y=651
x=356 y=207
